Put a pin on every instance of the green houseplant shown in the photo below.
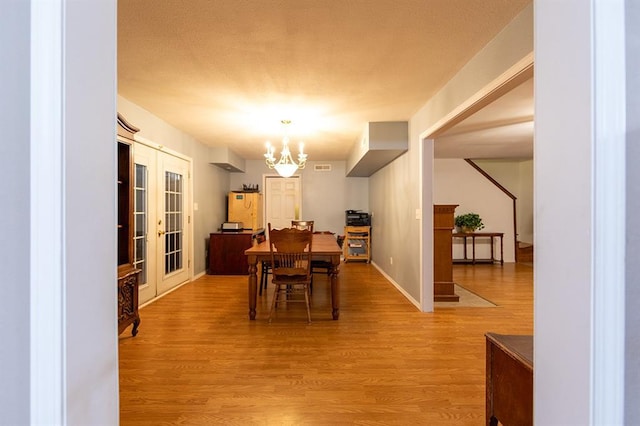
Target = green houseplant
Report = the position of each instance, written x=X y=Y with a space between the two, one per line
x=469 y=222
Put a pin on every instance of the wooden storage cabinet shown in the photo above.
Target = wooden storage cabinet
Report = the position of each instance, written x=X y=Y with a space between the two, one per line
x=246 y=207
x=357 y=243
x=128 y=275
x=443 y=224
x=509 y=382
x=226 y=252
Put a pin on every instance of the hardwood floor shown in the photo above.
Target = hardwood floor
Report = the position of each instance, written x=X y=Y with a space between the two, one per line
x=198 y=360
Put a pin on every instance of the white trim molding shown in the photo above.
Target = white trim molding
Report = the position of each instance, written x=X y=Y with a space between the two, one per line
x=609 y=186
x=47 y=378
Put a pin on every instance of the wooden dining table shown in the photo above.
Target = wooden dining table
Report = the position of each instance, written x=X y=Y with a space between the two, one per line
x=324 y=247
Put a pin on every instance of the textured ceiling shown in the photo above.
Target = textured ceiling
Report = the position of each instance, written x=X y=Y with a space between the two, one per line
x=227 y=71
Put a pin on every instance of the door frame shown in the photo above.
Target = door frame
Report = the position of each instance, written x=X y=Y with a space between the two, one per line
x=266 y=176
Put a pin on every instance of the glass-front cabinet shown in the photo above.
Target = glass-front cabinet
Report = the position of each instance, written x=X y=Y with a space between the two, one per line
x=128 y=274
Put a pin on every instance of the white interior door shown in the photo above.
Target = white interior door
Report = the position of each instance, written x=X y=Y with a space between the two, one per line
x=161 y=246
x=283 y=201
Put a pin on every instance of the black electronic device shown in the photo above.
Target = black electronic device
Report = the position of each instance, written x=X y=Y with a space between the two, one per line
x=357 y=218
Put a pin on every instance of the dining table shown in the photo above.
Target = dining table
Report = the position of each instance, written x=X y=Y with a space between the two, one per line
x=323 y=247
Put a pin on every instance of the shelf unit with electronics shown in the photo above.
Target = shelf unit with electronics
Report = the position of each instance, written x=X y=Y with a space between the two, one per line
x=357 y=243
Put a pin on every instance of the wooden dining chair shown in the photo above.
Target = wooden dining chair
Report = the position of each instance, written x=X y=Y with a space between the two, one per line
x=290 y=250
x=322 y=265
x=305 y=225
x=265 y=267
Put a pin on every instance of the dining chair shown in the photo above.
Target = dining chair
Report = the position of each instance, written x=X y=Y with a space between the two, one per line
x=321 y=265
x=290 y=250
x=305 y=225
x=302 y=224
x=265 y=267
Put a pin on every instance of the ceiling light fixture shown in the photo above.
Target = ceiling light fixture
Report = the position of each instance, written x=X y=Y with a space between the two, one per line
x=286 y=166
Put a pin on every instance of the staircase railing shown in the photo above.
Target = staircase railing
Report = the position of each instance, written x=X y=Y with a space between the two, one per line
x=508 y=193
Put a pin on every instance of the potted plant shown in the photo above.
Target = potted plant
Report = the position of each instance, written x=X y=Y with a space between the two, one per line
x=469 y=222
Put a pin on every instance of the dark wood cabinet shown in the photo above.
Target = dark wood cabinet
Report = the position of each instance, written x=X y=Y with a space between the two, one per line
x=226 y=252
x=509 y=392
x=443 y=286
x=127 y=273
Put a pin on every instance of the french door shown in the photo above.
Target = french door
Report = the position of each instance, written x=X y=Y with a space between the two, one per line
x=161 y=234
x=283 y=201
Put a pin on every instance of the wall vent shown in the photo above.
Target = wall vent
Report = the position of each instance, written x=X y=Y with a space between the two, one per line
x=322 y=167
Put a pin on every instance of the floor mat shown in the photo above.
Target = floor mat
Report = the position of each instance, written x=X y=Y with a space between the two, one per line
x=467 y=300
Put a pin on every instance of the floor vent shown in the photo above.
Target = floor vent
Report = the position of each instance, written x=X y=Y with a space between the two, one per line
x=322 y=167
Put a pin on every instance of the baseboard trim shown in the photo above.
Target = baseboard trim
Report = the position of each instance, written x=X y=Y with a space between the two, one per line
x=397 y=286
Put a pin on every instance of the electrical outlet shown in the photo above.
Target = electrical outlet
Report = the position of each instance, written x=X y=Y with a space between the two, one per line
x=391 y=260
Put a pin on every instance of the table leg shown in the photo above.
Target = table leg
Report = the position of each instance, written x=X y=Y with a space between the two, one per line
x=501 y=252
x=493 y=259
x=473 y=248
x=335 y=287
x=465 y=247
x=253 y=286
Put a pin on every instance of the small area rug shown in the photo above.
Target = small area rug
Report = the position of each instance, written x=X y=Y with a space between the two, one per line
x=467 y=300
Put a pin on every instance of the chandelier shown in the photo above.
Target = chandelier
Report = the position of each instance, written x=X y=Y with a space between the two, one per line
x=286 y=166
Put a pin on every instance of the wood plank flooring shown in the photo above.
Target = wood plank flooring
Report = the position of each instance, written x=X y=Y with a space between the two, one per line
x=198 y=360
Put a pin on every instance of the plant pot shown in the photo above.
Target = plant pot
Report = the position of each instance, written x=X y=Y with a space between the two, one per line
x=467 y=229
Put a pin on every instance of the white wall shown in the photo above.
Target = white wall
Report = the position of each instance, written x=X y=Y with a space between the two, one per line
x=632 y=331
x=89 y=186
x=325 y=195
x=580 y=118
x=562 y=379
x=210 y=183
x=396 y=191
x=456 y=182
x=525 y=202
x=14 y=253
x=63 y=367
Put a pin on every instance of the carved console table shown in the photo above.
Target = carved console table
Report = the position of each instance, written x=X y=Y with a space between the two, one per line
x=473 y=236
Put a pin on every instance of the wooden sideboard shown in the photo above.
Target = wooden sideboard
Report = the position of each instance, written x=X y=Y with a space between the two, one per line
x=509 y=392
x=226 y=252
x=443 y=288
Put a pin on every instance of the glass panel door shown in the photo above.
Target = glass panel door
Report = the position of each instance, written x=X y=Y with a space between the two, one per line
x=173 y=259
x=140 y=220
x=145 y=195
x=173 y=252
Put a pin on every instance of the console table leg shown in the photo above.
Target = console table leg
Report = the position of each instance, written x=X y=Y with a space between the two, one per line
x=493 y=257
x=473 y=248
